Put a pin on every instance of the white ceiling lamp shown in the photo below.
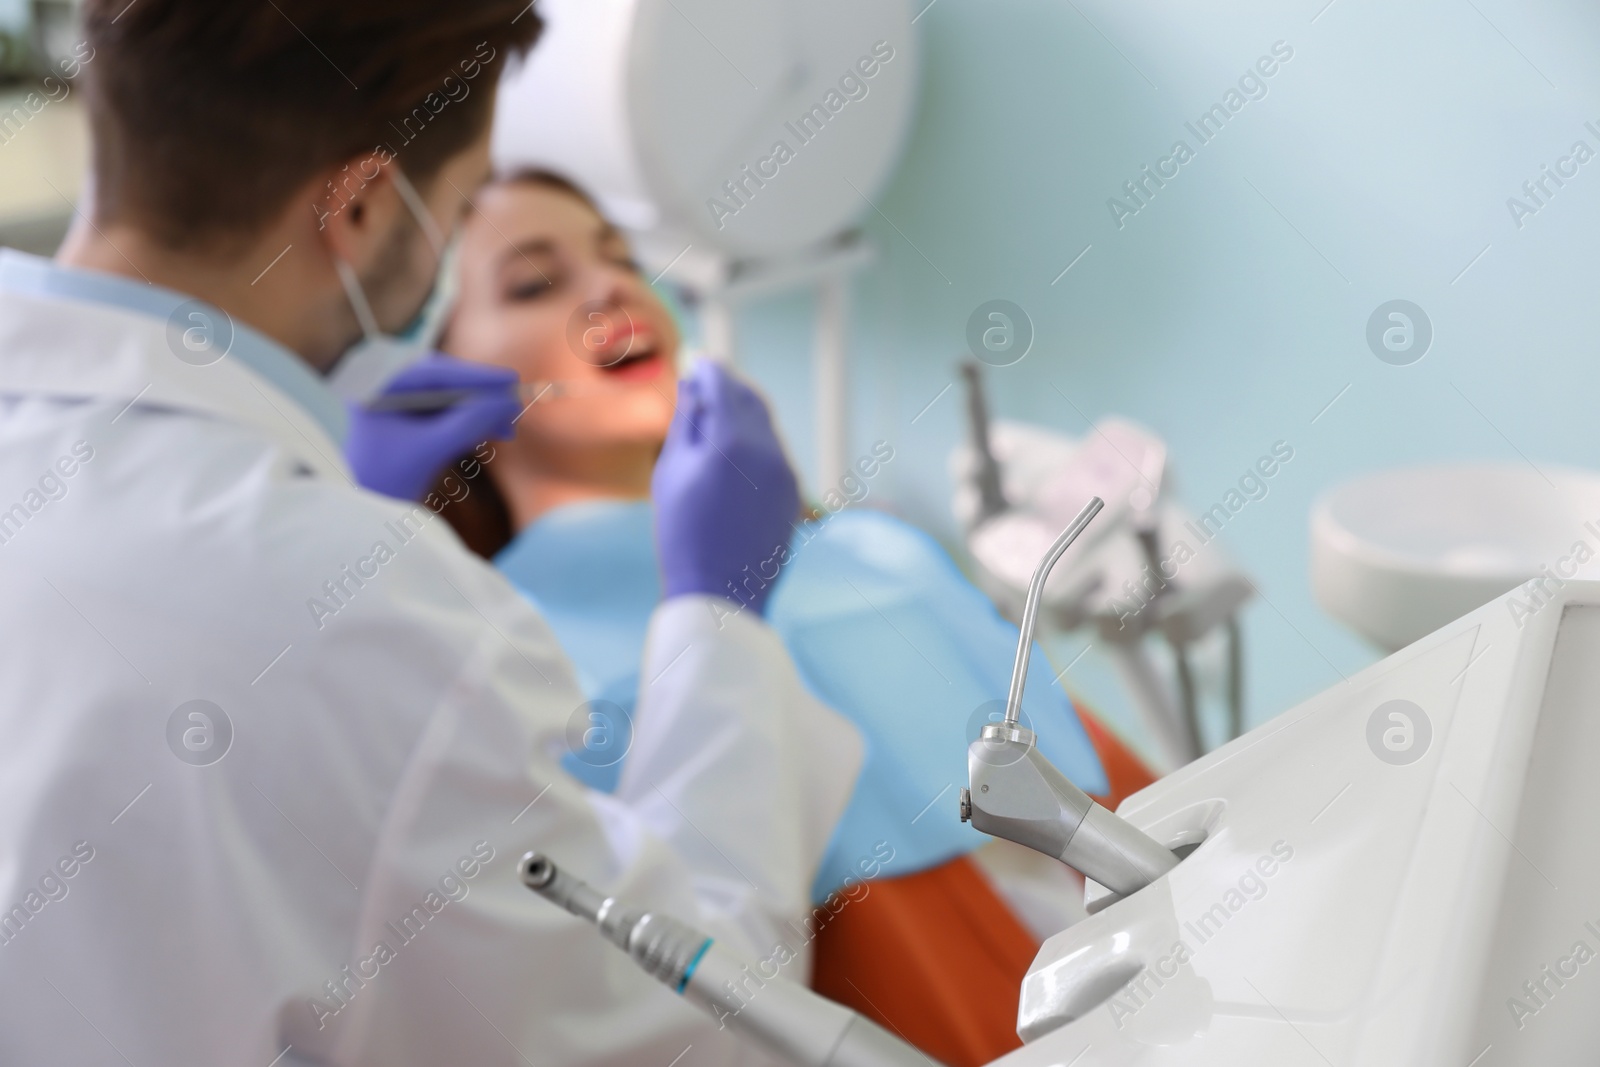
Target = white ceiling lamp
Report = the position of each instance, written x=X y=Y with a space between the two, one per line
x=739 y=141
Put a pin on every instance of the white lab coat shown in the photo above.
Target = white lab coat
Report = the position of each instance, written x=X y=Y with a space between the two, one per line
x=389 y=763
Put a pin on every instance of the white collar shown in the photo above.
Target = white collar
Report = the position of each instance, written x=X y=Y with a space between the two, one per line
x=29 y=275
x=77 y=349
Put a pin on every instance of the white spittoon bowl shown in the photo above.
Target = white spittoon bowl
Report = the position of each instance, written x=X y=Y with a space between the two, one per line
x=1397 y=554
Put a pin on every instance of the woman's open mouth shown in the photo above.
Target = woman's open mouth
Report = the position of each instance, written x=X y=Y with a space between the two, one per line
x=638 y=366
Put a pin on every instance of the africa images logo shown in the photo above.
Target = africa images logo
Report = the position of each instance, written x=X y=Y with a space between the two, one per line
x=1399 y=732
x=199 y=733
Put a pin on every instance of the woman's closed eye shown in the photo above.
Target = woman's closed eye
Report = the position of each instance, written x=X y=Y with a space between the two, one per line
x=530 y=289
x=531 y=279
x=530 y=270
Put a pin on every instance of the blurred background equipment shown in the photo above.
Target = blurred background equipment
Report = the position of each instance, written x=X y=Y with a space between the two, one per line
x=1399 y=553
x=44 y=144
x=672 y=112
x=1143 y=580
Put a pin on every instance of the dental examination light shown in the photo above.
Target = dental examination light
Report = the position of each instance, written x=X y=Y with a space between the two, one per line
x=1017 y=794
x=782 y=1017
x=675 y=130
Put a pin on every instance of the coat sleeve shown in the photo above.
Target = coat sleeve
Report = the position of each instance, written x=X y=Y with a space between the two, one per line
x=735 y=780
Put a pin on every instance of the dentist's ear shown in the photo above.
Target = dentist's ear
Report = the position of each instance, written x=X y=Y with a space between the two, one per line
x=356 y=206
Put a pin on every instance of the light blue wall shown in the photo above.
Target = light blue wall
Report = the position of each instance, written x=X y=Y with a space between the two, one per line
x=1231 y=309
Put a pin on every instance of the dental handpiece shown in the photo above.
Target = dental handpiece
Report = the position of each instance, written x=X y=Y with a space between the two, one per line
x=782 y=1017
x=420 y=401
x=1017 y=794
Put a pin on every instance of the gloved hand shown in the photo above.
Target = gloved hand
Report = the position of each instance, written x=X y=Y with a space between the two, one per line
x=724 y=495
x=399 y=453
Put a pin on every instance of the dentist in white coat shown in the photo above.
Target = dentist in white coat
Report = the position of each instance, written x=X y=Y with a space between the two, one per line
x=271 y=744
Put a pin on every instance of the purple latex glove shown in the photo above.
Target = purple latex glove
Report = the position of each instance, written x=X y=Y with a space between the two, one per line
x=400 y=453
x=725 y=497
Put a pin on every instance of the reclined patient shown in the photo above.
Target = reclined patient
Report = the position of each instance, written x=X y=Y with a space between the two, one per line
x=880 y=622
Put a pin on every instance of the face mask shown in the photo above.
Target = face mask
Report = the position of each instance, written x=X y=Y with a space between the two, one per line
x=368 y=365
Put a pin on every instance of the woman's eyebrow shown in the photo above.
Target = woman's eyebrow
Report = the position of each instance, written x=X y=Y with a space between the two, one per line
x=533 y=246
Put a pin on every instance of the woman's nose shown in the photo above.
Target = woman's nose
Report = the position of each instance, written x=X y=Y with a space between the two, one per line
x=614 y=284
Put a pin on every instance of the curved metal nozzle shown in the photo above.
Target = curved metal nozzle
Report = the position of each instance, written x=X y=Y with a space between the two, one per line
x=1030 y=610
x=1017 y=794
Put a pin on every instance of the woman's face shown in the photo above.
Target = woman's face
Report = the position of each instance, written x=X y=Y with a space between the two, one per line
x=550 y=290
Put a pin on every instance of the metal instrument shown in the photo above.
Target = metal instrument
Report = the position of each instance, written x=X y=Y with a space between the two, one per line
x=783 y=1017
x=420 y=401
x=1017 y=794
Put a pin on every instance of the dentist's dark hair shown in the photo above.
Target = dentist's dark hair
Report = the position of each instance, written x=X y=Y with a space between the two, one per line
x=207 y=116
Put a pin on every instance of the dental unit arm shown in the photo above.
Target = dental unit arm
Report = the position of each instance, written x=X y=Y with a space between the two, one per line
x=783 y=1017
x=1017 y=794
x=991 y=495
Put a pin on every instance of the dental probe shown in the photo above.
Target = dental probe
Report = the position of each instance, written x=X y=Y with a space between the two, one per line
x=423 y=400
x=783 y=1017
x=1017 y=794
